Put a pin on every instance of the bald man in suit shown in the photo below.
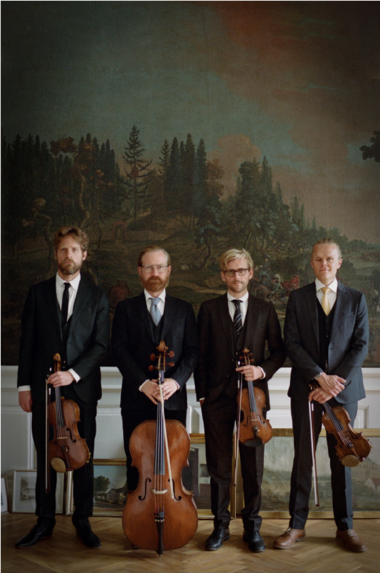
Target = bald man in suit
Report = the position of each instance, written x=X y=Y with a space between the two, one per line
x=326 y=338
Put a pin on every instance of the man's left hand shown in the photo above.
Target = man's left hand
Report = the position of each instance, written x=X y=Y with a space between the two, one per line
x=169 y=387
x=61 y=378
x=250 y=372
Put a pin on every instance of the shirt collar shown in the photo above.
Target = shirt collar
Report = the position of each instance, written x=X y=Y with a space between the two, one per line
x=332 y=286
x=243 y=298
x=161 y=296
x=59 y=282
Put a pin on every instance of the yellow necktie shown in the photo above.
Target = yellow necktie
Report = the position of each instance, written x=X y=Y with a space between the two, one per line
x=325 y=301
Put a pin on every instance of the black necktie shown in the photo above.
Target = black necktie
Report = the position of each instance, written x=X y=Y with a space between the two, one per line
x=65 y=302
x=238 y=322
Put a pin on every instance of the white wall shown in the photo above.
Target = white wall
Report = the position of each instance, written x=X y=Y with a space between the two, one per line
x=17 y=450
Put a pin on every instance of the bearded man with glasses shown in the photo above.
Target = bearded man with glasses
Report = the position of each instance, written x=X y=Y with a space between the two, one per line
x=140 y=323
x=227 y=325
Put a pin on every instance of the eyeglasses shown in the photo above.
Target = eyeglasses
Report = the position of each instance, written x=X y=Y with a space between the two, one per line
x=151 y=268
x=240 y=272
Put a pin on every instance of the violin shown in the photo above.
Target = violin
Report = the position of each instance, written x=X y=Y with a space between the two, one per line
x=160 y=514
x=351 y=447
x=254 y=428
x=66 y=450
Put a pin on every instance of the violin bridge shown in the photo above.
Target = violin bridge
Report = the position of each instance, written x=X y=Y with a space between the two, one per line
x=159 y=492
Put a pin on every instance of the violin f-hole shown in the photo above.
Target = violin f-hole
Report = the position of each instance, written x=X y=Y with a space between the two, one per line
x=141 y=498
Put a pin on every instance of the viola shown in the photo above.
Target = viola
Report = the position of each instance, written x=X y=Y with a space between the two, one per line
x=351 y=447
x=66 y=450
x=160 y=514
x=254 y=428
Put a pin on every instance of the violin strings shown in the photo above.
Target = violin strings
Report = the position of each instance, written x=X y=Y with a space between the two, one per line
x=337 y=425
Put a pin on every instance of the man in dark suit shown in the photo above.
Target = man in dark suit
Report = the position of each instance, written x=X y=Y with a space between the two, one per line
x=68 y=315
x=140 y=323
x=326 y=337
x=227 y=325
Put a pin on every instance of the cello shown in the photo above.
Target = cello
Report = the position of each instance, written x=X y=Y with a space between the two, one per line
x=65 y=450
x=160 y=513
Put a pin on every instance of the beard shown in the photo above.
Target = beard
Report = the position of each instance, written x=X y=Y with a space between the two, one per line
x=155 y=283
x=69 y=269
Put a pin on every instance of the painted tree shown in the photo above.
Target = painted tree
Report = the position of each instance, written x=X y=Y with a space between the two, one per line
x=137 y=171
x=372 y=151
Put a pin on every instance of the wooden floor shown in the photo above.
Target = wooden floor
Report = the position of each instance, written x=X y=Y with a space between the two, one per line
x=64 y=553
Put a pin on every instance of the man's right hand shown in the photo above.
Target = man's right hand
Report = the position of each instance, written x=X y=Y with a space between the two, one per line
x=150 y=390
x=25 y=400
x=331 y=384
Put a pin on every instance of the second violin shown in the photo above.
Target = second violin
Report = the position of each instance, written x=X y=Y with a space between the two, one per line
x=253 y=429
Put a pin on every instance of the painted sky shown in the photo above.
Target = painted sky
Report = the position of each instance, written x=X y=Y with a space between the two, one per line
x=298 y=82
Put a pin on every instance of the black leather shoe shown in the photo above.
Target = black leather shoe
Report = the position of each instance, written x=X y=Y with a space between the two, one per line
x=215 y=541
x=37 y=533
x=85 y=533
x=255 y=542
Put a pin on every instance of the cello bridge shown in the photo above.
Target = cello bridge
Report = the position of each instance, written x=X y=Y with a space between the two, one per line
x=159 y=492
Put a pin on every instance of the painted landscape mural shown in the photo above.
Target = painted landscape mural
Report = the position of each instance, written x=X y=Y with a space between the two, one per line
x=198 y=126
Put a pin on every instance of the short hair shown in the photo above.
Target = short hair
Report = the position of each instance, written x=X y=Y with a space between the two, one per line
x=152 y=249
x=233 y=254
x=327 y=241
x=79 y=235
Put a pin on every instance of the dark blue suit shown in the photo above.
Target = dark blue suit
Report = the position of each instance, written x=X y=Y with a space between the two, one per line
x=346 y=350
x=134 y=339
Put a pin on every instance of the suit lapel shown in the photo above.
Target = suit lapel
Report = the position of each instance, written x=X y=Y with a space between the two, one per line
x=144 y=314
x=168 y=315
x=52 y=305
x=340 y=305
x=82 y=295
x=311 y=305
x=226 y=322
x=251 y=320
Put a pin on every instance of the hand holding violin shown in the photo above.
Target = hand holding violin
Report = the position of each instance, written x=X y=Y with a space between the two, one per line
x=250 y=372
x=61 y=378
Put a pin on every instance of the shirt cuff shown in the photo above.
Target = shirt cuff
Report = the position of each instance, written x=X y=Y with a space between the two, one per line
x=264 y=375
x=74 y=375
x=24 y=388
x=140 y=387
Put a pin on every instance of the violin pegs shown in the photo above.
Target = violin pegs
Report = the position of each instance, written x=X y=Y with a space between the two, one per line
x=152 y=357
x=151 y=368
x=170 y=354
x=171 y=364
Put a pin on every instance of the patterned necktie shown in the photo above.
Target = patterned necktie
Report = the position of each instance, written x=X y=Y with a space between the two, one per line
x=65 y=302
x=325 y=301
x=154 y=310
x=238 y=322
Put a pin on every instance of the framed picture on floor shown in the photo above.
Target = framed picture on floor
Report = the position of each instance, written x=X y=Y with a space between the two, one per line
x=24 y=491
x=4 y=496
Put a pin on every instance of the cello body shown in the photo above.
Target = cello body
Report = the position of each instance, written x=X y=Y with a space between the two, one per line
x=180 y=520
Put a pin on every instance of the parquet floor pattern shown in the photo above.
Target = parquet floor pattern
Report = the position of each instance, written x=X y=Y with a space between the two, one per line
x=64 y=553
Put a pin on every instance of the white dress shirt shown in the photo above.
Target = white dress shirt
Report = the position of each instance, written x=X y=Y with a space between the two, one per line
x=331 y=295
x=73 y=291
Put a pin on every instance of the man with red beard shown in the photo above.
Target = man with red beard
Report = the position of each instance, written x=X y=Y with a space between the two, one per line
x=140 y=323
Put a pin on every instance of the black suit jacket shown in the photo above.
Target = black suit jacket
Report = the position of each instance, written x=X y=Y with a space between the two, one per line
x=133 y=342
x=41 y=338
x=218 y=357
x=348 y=341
